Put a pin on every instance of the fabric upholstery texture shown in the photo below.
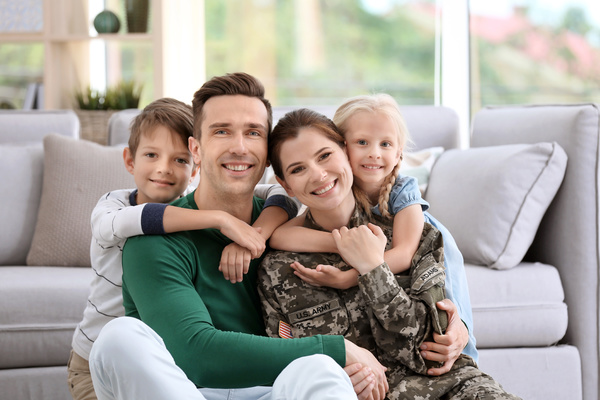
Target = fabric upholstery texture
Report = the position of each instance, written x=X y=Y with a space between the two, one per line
x=20 y=201
x=62 y=233
x=39 y=310
x=535 y=372
x=500 y=198
x=524 y=307
x=30 y=126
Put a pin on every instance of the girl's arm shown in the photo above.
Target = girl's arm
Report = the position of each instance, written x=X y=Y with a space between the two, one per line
x=408 y=227
x=292 y=236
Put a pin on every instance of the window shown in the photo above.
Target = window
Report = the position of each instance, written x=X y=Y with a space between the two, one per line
x=534 y=52
x=311 y=52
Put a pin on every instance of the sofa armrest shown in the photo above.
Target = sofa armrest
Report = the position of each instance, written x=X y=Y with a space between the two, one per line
x=568 y=235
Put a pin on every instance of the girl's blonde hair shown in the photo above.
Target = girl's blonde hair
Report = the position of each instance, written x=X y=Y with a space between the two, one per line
x=377 y=103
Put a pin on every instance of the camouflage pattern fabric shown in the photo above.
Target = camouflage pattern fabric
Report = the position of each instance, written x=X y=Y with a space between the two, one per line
x=390 y=315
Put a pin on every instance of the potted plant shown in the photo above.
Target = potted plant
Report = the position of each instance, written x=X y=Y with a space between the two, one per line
x=96 y=107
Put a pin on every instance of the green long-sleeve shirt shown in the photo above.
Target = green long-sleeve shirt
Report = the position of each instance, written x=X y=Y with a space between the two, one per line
x=213 y=328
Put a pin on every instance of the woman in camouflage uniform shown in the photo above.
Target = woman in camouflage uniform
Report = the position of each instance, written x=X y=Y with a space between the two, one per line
x=389 y=315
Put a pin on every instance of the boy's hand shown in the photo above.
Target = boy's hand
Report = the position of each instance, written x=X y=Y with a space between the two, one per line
x=361 y=247
x=244 y=235
x=326 y=275
x=235 y=261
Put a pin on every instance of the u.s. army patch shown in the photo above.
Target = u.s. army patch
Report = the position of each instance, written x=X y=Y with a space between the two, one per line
x=314 y=311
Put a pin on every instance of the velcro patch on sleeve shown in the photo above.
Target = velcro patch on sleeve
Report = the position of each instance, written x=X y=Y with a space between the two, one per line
x=285 y=330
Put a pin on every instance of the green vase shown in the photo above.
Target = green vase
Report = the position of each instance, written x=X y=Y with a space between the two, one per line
x=107 y=22
x=137 y=15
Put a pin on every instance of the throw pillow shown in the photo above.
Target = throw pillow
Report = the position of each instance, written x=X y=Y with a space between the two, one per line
x=22 y=167
x=418 y=164
x=492 y=199
x=76 y=174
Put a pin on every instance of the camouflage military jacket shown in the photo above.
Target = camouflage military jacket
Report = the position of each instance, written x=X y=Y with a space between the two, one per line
x=390 y=315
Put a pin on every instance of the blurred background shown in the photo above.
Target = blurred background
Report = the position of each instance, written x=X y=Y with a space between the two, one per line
x=464 y=54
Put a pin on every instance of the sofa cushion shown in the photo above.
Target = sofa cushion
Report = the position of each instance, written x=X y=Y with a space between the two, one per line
x=39 y=310
x=21 y=168
x=76 y=174
x=492 y=199
x=522 y=306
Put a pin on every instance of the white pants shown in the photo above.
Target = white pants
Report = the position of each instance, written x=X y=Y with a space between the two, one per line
x=130 y=361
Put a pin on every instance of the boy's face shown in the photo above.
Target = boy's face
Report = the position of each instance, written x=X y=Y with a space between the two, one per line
x=232 y=152
x=162 y=166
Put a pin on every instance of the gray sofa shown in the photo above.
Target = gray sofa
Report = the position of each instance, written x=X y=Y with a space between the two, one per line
x=535 y=307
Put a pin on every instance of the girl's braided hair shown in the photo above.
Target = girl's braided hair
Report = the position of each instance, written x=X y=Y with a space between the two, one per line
x=377 y=103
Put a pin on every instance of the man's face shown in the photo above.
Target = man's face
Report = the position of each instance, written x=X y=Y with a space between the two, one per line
x=232 y=152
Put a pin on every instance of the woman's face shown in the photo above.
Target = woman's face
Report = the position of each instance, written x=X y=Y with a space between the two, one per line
x=316 y=170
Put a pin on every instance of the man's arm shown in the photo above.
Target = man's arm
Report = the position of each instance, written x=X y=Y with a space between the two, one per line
x=159 y=285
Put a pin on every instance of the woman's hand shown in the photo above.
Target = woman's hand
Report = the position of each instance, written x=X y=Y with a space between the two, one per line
x=326 y=275
x=359 y=355
x=448 y=347
x=361 y=247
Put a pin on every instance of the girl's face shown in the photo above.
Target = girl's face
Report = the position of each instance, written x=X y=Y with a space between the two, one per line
x=316 y=170
x=373 y=147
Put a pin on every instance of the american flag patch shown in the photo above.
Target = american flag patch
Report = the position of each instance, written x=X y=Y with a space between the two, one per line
x=285 y=330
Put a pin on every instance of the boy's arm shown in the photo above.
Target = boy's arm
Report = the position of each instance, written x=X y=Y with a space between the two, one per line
x=278 y=208
x=275 y=195
x=183 y=219
x=408 y=226
x=114 y=219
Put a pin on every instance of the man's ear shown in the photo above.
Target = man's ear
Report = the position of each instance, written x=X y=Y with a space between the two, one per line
x=128 y=160
x=285 y=186
x=194 y=147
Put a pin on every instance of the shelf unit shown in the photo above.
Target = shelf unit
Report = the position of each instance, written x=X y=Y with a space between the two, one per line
x=176 y=38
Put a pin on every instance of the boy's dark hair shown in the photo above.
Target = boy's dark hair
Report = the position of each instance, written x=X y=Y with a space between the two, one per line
x=237 y=83
x=173 y=114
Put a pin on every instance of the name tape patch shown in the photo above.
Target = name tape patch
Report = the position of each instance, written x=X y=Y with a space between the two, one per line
x=314 y=311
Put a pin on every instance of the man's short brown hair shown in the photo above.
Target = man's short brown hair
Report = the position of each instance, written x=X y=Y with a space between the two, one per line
x=237 y=83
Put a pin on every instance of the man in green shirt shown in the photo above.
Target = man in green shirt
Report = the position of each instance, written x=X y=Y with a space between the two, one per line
x=212 y=330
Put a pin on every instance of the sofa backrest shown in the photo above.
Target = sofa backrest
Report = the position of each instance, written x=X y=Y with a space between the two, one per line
x=19 y=126
x=429 y=126
x=568 y=236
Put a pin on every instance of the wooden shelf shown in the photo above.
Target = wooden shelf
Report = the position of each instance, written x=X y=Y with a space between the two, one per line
x=176 y=41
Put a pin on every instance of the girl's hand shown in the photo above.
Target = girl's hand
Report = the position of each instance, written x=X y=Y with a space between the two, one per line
x=326 y=275
x=243 y=234
x=235 y=262
x=361 y=247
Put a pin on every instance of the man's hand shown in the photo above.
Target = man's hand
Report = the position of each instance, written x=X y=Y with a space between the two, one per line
x=358 y=355
x=235 y=262
x=448 y=347
x=326 y=275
